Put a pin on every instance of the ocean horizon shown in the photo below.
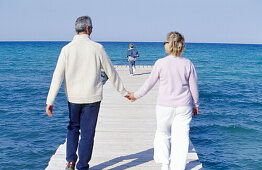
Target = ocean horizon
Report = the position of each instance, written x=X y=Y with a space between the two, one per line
x=227 y=134
x=67 y=41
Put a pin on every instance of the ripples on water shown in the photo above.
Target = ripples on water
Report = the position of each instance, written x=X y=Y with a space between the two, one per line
x=227 y=134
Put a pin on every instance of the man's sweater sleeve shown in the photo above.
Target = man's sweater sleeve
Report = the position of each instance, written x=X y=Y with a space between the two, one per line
x=57 y=79
x=111 y=72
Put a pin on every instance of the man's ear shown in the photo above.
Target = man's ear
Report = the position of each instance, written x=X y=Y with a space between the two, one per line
x=89 y=30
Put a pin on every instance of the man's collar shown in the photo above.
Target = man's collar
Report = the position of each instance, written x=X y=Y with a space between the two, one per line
x=81 y=36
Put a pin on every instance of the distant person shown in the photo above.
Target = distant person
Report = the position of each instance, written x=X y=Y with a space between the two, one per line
x=80 y=63
x=177 y=101
x=132 y=54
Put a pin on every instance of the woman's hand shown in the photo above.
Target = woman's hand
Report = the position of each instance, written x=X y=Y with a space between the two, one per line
x=195 y=111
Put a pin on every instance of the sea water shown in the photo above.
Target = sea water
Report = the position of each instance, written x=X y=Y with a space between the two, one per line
x=227 y=133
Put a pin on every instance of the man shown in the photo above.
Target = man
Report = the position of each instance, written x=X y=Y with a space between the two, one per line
x=80 y=63
x=132 y=54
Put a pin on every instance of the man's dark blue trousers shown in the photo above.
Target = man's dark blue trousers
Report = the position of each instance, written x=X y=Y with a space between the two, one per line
x=83 y=119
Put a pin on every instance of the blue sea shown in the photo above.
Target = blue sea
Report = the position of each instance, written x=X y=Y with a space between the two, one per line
x=227 y=134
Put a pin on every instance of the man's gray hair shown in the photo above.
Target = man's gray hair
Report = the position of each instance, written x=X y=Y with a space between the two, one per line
x=83 y=22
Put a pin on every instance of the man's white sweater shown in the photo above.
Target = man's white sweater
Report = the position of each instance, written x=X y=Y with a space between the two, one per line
x=80 y=63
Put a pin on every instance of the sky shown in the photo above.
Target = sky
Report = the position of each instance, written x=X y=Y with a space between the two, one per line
x=200 y=21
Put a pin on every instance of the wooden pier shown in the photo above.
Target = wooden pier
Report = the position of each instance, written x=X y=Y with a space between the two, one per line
x=125 y=130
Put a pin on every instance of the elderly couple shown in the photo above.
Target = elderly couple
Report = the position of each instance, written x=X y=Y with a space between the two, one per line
x=80 y=63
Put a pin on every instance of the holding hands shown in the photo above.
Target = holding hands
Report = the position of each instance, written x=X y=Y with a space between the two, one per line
x=130 y=96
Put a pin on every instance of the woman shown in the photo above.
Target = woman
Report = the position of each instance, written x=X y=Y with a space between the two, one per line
x=177 y=101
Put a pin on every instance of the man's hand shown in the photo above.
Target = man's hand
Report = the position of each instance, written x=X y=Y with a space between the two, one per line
x=195 y=111
x=130 y=96
x=49 y=110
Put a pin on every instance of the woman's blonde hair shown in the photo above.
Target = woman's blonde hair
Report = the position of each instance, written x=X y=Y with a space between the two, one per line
x=175 y=43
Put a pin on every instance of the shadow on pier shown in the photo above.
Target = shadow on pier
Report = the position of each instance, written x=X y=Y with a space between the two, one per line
x=128 y=161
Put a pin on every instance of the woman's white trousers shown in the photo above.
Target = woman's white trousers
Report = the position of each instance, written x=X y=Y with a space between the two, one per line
x=172 y=136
